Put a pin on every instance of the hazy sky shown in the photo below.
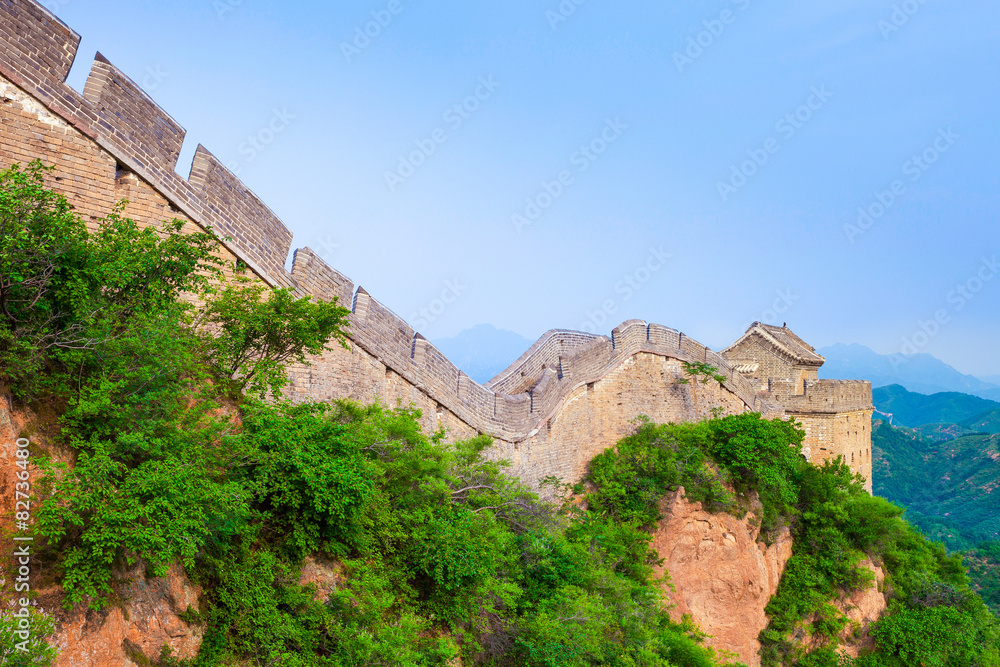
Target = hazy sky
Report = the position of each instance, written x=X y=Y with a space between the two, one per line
x=701 y=165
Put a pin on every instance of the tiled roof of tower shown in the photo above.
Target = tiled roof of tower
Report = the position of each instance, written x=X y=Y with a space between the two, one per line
x=785 y=340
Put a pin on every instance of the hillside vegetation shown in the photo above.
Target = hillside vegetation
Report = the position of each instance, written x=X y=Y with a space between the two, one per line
x=911 y=409
x=183 y=452
x=949 y=489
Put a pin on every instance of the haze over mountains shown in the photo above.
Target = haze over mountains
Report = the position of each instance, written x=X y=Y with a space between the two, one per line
x=483 y=351
x=941 y=416
x=920 y=373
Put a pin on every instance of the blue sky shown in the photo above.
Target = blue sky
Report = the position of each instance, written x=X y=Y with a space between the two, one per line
x=701 y=165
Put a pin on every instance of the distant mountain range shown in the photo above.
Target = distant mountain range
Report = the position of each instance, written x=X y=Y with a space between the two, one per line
x=483 y=351
x=919 y=373
x=940 y=416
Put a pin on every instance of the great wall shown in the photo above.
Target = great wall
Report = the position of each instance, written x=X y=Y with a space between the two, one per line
x=570 y=396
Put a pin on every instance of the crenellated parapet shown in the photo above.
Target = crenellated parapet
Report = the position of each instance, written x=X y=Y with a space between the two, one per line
x=569 y=388
x=234 y=211
x=38 y=52
x=822 y=396
x=131 y=118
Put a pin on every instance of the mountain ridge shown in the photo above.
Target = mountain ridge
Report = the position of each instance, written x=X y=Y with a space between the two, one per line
x=483 y=351
x=919 y=373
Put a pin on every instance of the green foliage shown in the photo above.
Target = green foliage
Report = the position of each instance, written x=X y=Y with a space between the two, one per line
x=251 y=333
x=761 y=456
x=745 y=451
x=699 y=371
x=633 y=477
x=983 y=563
x=443 y=555
x=38 y=232
x=100 y=324
x=839 y=526
x=836 y=525
x=912 y=409
x=36 y=651
x=312 y=481
x=945 y=486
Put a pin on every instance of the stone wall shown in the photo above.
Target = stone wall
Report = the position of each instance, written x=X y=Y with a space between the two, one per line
x=567 y=398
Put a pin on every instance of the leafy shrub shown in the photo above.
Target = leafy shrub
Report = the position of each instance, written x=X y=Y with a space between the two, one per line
x=33 y=651
x=251 y=333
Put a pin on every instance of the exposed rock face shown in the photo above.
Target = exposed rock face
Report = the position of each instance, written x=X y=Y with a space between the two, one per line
x=148 y=620
x=862 y=608
x=326 y=575
x=147 y=616
x=722 y=577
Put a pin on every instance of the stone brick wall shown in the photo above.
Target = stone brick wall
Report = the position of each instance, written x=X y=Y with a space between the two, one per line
x=566 y=399
x=846 y=434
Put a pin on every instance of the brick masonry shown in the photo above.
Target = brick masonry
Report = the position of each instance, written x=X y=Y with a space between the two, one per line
x=570 y=396
x=835 y=414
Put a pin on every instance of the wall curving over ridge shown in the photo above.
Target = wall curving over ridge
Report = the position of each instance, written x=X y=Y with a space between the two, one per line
x=570 y=396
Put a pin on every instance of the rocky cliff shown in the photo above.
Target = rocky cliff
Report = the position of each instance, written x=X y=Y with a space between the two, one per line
x=722 y=577
x=148 y=613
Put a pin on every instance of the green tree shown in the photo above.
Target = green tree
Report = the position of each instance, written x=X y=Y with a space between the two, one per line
x=250 y=333
x=699 y=371
x=39 y=235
